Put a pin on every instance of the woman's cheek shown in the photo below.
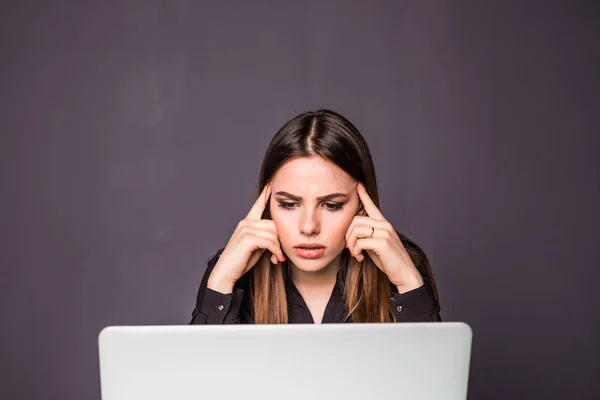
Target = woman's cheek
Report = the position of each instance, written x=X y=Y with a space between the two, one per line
x=279 y=226
x=348 y=220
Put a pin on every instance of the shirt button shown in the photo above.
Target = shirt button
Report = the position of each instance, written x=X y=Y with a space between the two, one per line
x=220 y=307
x=399 y=308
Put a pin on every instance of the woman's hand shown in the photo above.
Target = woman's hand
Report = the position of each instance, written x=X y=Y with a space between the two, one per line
x=248 y=242
x=378 y=237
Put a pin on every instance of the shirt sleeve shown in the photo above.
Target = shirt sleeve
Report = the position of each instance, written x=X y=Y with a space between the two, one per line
x=214 y=307
x=417 y=305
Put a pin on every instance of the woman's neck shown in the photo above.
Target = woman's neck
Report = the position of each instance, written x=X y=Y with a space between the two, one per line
x=325 y=277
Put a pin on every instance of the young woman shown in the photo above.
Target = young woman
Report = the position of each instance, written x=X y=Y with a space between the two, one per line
x=314 y=247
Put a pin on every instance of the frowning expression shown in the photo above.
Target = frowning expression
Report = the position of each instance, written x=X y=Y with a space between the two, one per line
x=312 y=201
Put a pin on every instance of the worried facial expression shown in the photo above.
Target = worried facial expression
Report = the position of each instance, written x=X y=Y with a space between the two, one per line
x=313 y=201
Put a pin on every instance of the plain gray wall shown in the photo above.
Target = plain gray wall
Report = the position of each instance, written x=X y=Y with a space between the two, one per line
x=132 y=133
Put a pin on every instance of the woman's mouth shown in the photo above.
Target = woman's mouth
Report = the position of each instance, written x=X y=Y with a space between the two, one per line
x=309 y=251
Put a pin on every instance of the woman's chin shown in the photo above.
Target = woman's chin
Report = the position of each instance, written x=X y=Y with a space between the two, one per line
x=311 y=264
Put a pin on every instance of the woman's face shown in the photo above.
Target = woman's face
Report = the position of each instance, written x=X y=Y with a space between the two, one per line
x=302 y=213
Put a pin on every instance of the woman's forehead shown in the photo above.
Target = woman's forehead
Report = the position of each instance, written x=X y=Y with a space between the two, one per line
x=310 y=175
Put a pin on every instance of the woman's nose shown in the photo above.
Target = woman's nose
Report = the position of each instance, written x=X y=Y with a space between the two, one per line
x=309 y=224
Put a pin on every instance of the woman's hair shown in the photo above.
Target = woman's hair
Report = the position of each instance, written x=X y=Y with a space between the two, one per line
x=366 y=289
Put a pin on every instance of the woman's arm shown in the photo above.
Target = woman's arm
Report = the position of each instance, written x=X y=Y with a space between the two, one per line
x=213 y=307
x=417 y=305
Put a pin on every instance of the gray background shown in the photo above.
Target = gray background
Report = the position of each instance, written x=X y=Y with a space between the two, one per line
x=132 y=133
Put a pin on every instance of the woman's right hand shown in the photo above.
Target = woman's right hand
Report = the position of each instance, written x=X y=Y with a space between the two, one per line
x=251 y=238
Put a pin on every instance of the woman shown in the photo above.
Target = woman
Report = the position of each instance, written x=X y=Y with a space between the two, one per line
x=314 y=247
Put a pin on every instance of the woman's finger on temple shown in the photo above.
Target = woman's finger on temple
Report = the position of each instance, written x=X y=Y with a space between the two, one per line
x=258 y=208
x=368 y=204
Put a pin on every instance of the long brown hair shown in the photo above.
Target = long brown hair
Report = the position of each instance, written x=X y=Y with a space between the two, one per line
x=366 y=288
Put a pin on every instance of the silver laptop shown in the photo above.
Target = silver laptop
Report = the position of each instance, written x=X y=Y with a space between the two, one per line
x=415 y=361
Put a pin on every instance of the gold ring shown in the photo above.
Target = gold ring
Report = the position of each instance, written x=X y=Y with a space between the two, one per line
x=372 y=232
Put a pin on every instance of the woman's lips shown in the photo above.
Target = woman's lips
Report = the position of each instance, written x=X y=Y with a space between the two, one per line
x=309 y=253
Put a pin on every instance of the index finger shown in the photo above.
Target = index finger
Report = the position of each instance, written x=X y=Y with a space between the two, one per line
x=370 y=207
x=257 y=209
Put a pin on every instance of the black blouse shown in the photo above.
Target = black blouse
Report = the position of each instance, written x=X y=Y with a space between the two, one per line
x=212 y=307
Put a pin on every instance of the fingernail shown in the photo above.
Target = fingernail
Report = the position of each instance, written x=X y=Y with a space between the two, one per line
x=282 y=257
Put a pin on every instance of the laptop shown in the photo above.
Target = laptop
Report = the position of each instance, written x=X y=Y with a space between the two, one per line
x=416 y=361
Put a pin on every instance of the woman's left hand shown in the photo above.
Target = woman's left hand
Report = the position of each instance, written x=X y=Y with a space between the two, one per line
x=374 y=234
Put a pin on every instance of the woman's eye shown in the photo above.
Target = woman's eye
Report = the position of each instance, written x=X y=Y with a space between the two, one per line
x=330 y=206
x=286 y=205
x=334 y=206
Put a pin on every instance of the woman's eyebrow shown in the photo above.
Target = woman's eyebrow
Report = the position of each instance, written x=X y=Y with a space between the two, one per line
x=298 y=198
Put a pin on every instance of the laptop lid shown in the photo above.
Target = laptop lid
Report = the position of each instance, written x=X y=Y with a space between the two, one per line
x=416 y=361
